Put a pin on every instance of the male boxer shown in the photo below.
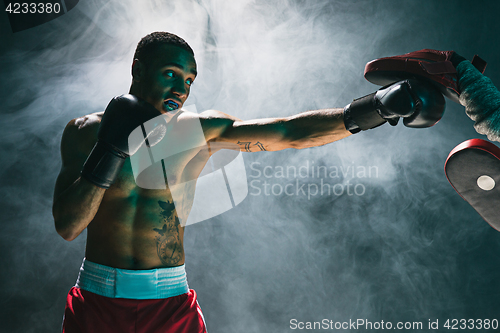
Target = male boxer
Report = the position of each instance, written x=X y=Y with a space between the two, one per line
x=133 y=276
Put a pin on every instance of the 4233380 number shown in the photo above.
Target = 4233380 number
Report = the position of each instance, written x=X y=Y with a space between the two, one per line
x=479 y=324
x=33 y=8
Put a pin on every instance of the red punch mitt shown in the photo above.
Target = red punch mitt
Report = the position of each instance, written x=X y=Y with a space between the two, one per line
x=432 y=65
x=473 y=169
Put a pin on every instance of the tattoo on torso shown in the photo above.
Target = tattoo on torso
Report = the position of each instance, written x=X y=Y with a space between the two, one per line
x=168 y=242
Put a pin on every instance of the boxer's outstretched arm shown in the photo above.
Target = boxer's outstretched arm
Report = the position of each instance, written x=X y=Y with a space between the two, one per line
x=418 y=103
x=76 y=200
x=304 y=130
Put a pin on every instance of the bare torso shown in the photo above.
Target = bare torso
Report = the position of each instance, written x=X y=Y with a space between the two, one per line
x=137 y=228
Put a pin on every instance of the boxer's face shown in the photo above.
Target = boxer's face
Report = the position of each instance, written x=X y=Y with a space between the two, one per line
x=166 y=80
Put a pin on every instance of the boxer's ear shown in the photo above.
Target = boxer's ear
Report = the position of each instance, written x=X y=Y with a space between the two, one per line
x=138 y=70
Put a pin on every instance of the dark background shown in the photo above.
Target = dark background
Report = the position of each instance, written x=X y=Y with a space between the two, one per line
x=407 y=249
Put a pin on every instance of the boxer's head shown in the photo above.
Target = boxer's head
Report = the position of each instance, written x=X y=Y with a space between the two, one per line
x=148 y=45
x=163 y=70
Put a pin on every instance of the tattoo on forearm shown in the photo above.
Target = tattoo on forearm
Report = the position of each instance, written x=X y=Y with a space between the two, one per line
x=168 y=243
x=260 y=145
x=246 y=145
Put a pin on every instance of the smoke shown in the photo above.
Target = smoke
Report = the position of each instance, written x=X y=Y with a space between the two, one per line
x=401 y=246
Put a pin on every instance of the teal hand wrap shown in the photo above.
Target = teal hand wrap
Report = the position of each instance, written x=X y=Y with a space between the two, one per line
x=481 y=100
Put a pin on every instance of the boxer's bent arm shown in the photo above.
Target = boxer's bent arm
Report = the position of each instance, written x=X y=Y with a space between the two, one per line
x=76 y=200
x=304 y=130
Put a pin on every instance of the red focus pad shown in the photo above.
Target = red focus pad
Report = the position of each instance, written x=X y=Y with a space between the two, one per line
x=473 y=169
x=432 y=65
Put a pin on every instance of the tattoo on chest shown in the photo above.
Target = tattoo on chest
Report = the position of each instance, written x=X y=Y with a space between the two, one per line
x=168 y=242
x=247 y=145
x=168 y=208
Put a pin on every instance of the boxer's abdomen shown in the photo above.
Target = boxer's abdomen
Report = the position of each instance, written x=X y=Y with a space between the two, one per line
x=136 y=228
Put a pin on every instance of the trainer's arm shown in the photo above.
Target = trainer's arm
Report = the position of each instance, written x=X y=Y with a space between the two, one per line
x=303 y=130
x=76 y=200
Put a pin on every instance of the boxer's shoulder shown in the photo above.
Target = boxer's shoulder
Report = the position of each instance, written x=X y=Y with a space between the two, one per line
x=215 y=115
x=87 y=122
x=81 y=133
x=86 y=125
x=215 y=122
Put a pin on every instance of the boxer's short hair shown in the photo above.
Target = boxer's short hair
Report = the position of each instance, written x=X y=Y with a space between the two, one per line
x=148 y=45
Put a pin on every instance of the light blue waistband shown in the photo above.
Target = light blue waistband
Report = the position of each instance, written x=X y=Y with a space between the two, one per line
x=133 y=284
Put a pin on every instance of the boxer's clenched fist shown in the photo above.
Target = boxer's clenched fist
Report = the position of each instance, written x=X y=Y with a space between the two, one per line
x=123 y=114
x=419 y=104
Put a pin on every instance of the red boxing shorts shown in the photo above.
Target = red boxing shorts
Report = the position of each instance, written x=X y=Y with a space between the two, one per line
x=92 y=312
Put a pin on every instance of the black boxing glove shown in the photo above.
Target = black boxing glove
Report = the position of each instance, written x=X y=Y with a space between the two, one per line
x=419 y=104
x=123 y=114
